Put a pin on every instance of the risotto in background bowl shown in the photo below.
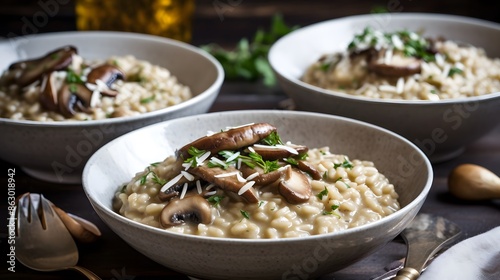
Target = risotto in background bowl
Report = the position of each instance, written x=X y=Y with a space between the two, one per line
x=64 y=95
x=185 y=197
x=434 y=79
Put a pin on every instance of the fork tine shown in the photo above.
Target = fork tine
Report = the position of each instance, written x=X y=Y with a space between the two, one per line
x=27 y=208
x=47 y=210
x=32 y=212
x=21 y=214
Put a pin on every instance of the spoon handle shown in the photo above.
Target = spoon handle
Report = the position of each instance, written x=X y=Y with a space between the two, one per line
x=407 y=273
x=89 y=274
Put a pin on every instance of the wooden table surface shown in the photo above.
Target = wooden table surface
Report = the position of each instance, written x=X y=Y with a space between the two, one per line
x=112 y=258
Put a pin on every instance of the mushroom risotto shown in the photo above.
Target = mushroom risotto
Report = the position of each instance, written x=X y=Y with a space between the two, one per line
x=245 y=182
x=64 y=86
x=405 y=65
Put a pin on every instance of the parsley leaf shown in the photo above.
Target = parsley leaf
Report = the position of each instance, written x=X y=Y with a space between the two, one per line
x=333 y=207
x=73 y=78
x=346 y=164
x=215 y=200
x=195 y=153
x=248 y=60
x=323 y=193
x=245 y=214
x=454 y=70
x=147 y=99
x=272 y=139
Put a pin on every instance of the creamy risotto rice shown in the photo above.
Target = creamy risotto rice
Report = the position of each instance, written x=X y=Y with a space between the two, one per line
x=139 y=87
x=403 y=65
x=344 y=193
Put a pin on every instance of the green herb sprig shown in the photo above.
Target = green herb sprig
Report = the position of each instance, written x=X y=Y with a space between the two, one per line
x=346 y=164
x=248 y=61
x=333 y=208
x=215 y=200
x=195 y=154
x=252 y=160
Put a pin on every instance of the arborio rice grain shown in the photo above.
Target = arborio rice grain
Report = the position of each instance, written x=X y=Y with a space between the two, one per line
x=450 y=70
x=147 y=88
x=350 y=194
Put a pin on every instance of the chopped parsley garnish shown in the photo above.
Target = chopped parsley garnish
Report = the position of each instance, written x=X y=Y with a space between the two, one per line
x=158 y=180
x=273 y=139
x=324 y=66
x=155 y=178
x=72 y=88
x=195 y=154
x=323 y=193
x=217 y=163
x=409 y=43
x=253 y=159
x=333 y=207
x=215 y=200
x=291 y=161
x=454 y=70
x=245 y=214
x=345 y=164
x=267 y=165
x=73 y=78
x=340 y=179
x=148 y=99
x=260 y=203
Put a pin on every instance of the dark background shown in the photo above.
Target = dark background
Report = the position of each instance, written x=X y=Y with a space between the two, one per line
x=243 y=16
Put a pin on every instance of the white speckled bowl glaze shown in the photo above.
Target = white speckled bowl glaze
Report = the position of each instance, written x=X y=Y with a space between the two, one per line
x=294 y=258
x=441 y=129
x=57 y=151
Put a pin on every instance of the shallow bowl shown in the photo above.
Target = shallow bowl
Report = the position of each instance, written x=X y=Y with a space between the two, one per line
x=442 y=129
x=291 y=258
x=57 y=151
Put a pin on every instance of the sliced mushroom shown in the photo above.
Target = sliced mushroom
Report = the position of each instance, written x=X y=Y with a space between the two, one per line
x=48 y=92
x=73 y=96
x=395 y=65
x=217 y=176
x=231 y=139
x=24 y=73
x=295 y=186
x=81 y=229
x=83 y=93
x=66 y=101
x=193 y=209
x=262 y=179
x=279 y=152
x=108 y=74
x=309 y=169
x=175 y=190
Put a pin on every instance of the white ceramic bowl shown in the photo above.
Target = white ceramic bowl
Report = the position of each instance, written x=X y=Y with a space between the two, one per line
x=223 y=258
x=57 y=151
x=441 y=129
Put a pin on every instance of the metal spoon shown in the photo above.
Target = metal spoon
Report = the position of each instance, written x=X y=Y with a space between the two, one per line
x=42 y=241
x=425 y=236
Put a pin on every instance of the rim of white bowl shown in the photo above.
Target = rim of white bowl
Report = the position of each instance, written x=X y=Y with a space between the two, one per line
x=216 y=84
x=401 y=212
x=416 y=16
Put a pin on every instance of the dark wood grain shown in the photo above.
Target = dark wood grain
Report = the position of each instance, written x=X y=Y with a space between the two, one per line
x=111 y=258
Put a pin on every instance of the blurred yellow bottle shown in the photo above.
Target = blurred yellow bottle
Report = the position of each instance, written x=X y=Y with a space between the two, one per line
x=167 y=18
